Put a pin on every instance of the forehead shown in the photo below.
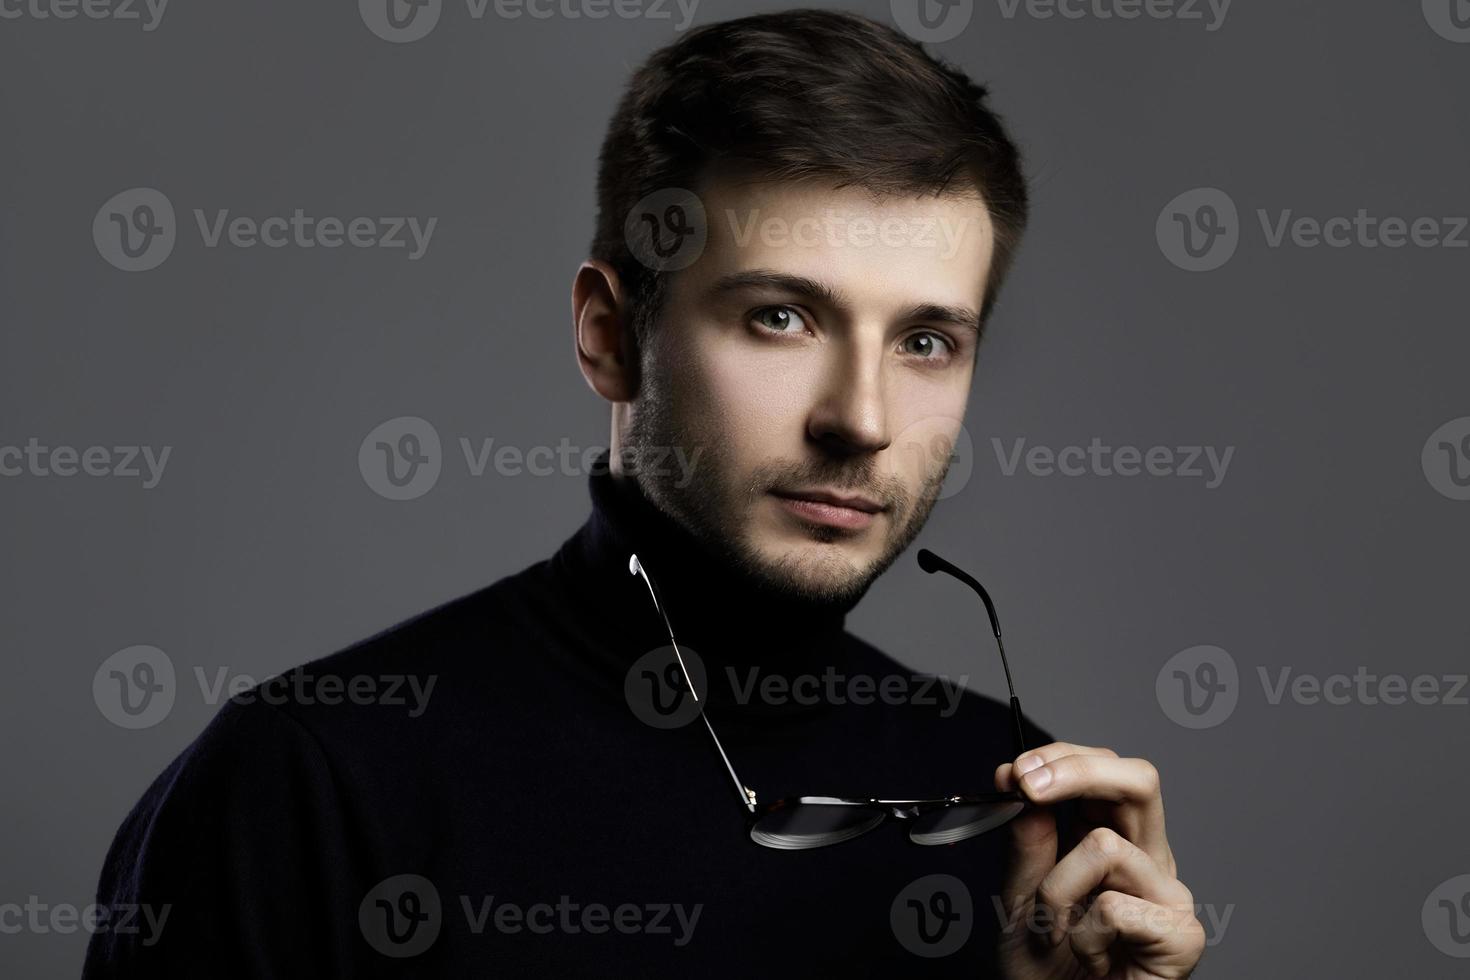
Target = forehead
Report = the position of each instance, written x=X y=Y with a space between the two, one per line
x=888 y=252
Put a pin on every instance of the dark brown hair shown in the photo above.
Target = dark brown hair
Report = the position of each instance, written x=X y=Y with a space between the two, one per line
x=797 y=95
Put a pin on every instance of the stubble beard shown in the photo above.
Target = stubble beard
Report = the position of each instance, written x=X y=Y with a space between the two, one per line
x=716 y=509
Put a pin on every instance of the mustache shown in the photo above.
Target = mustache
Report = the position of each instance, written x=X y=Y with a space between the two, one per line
x=852 y=478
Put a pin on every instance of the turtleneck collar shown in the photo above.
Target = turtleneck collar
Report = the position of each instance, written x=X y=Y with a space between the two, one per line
x=714 y=607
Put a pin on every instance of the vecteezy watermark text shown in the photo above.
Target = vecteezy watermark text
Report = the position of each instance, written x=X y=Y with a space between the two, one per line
x=1201 y=686
x=845 y=230
x=405 y=21
x=38 y=460
x=149 y=13
x=1042 y=920
x=309 y=231
x=657 y=687
x=135 y=230
x=136 y=688
x=1200 y=229
x=124 y=919
x=402 y=916
x=936 y=21
x=302 y=687
x=594 y=918
x=1211 y=13
x=836 y=688
x=402 y=458
x=1099 y=459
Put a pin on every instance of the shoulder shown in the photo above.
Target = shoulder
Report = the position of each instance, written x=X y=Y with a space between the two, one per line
x=247 y=758
x=246 y=815
x=433 y=638
x=282 y=801
x=289 y=734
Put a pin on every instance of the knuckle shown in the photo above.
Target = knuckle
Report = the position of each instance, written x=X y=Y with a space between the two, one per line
x=1083 y=767
x=1110 y=906
x=1047 y=894
x=1195 y=939
x=1106 y=841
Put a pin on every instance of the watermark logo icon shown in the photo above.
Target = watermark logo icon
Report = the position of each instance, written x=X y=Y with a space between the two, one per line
x=1450 y=19
x=1198 y=687
x=961 y=464
x=135 y=229
x=667 y=230
x=1446 y=459
x=400 y=21
x=932 y=21
x=657 y=690
x=135 y=687
x=1199 y=230
x=1446 y=917
x=932 y=450
x=933 y=916
x=401 y=916
x=401 y=458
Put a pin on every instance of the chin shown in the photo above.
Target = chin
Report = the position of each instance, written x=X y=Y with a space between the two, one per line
x=815 y=572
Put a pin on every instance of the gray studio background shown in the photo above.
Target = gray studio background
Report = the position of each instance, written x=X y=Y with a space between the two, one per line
x=1322 y=835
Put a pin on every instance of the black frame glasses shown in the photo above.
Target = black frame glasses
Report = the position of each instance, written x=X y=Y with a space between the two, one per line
x=802 y=822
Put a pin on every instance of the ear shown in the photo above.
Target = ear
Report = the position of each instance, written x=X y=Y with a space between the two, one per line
x=606 y=347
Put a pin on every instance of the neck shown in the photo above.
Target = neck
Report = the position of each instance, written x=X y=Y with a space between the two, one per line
x=715 y=607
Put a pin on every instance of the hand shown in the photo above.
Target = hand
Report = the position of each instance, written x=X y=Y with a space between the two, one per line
x=1113 y=906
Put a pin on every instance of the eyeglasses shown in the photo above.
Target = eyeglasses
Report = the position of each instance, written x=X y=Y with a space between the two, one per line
x=801 y=822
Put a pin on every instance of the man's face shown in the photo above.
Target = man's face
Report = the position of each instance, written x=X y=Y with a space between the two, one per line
x=817 y=358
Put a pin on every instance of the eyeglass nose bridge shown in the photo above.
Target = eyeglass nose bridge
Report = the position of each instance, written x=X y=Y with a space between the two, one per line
x=913 y=809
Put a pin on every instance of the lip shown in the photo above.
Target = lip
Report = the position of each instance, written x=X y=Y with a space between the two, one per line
x=829 y=508
x=852 y=501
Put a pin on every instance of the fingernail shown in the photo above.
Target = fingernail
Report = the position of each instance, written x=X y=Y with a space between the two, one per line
x=1028 y=762
x=1037 y=780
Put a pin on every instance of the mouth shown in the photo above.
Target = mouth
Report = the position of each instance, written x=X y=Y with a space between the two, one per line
x=830 y=508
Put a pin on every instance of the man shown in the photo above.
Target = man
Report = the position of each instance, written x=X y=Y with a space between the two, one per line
x=804 y=222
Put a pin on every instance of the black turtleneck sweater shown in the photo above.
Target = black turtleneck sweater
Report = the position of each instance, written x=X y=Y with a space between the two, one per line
x=519 y=818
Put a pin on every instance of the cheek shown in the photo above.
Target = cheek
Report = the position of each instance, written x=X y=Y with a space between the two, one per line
x=757 y=403
x=924 y=439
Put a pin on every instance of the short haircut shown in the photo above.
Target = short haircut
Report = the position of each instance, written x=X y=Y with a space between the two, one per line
x=801 y=95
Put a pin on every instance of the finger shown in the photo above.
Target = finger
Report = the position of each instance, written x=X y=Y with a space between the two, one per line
x=1041 y=755
x=1166 y=940
x=1055 y=750
x=1105 y=860
x=1033 y=758
x=1131 y=786
x=1033 y=850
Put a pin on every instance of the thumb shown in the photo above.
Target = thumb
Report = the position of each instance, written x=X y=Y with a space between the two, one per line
x=1033 y=851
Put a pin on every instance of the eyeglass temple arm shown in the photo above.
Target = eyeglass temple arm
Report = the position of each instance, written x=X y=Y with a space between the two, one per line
x=747 y=795
x=930 y=562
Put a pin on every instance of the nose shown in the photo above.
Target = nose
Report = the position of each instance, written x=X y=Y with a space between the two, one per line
x=850 y=416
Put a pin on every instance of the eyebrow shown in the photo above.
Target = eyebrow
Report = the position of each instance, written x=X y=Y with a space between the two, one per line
x=958 y=316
